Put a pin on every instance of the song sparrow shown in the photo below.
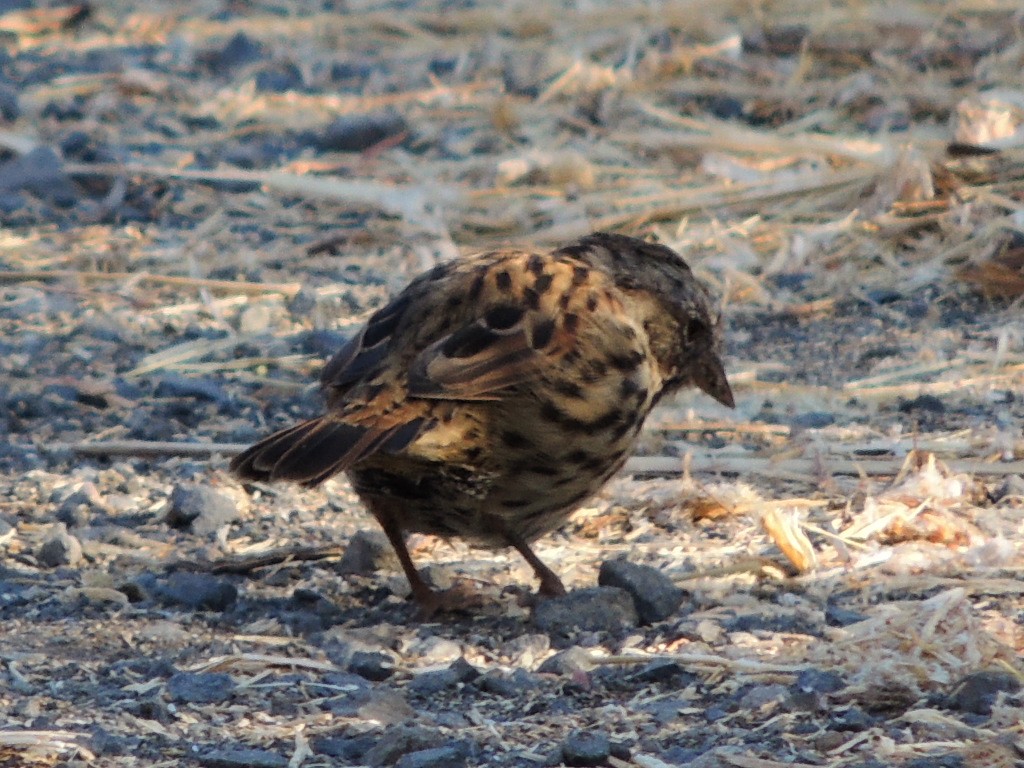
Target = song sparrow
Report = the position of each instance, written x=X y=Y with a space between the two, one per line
x=497 y=392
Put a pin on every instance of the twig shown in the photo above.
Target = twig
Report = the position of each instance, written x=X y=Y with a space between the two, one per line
x=248 y=563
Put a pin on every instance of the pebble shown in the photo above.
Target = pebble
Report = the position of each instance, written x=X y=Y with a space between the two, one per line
x=199 y=591
x=60 y=548
x=433 y=682
x=176 y=385
x=763 y=696
x=508 y=685
x=926 y=403
x=368 y=551
x=41 y=173
x=567 y=662
x=597 y=609
x=371 y=665
x=977 y=691
x=200 y=688
x=654 y=594
x=238 y=51
x=358 y=132
x=201 y=508
x=451 y=756
x=586 y=748
x=242 y=758
x=400 y=740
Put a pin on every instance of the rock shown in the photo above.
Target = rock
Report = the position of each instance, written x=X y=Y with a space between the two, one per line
x=349 y=749
x=977 y=691
x=655 y=596
x=567 y=662
x=926 y=403
x=60 y=548
x=40 y=172
x=200 y=508
x=598 y=609
x=357 y=132
x=198 y=591
x=372 y=666
x=586 y=748
x=200 y=688
x=239 y=51
x=818 y=681
x=433 y=682
x=451 y=756
x=508 y=685
x=368 y=551
x=762 y=696
x=242 y=758
x=813 y=420
x=178 y=386
x=400 y=740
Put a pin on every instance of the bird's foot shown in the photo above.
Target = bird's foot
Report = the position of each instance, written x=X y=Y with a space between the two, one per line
x=461 y=597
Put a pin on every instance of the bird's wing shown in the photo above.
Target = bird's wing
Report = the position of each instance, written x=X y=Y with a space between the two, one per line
x=528 y=321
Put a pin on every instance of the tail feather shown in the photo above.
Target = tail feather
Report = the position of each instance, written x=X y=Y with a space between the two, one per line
x=314 y=450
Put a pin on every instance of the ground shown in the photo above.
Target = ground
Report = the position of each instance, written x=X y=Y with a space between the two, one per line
x=199 y=202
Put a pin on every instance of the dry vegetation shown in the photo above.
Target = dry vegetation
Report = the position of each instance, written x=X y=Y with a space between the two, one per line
x=186 y=231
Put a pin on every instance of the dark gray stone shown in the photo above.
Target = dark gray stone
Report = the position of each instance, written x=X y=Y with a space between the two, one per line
x=368 y=551
x=586 y=748
x=200 y=688
x=451 y=756
x=977 y=691
x=199 y=591
x=655 y=596
x=567 y=662
x=60 y=548
x=242 y=758
x=371 y=665
x=200 y=508
x=401 y=740
x=597 y=609
x=435 y=681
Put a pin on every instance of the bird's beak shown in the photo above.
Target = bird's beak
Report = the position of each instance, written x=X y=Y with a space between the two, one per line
x=710 y=376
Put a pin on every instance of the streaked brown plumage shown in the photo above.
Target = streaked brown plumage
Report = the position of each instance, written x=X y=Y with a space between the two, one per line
x=496 y=393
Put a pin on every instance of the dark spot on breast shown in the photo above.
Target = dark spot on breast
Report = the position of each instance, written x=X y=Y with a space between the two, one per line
x=535 y=264
x=531 y=298
x=476 y=288
x=614 y=416
x=542 y=334
x=474 y=453
x=543 y=283
x=503 y=316
x=626 y=361
x=579 y=457
x=515 y=439
x=504 y=281
x=516 y=503
x=568 y=388
x=546 y=470
x=580 y=275
x=591 y=302
x=564 y=299
x=570 y=321
x=630 y=388
x=454 y=302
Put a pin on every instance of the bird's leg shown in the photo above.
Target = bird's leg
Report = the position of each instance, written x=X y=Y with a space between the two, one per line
x=421 y=591
x=430 y=601
x=550 y=584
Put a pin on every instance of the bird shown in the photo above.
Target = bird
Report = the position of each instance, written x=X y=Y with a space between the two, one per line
x=497 y=392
